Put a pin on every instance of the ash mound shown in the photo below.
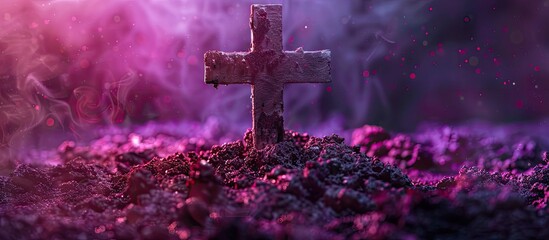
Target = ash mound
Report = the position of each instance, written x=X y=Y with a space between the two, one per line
x=384 y=187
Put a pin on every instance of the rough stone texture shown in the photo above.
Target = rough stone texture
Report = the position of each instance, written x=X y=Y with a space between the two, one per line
x=303 y=187
x=266 y=26
x=267 y=68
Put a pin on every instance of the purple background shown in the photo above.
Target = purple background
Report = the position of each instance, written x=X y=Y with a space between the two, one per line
x=70 y=67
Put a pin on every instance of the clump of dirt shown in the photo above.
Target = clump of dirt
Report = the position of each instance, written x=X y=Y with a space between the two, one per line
x=383 y=187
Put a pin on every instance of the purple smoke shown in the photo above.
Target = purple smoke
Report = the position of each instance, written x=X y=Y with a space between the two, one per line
x=70 y=67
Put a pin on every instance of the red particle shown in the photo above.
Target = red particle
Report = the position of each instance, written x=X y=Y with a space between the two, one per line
x=430 y=9
x=50 y=122
x=477 y=71
x=440 y=50
x=519 y=104
x=84 y=64
x=366 y=73
x=478 y=48
x=496 y=62
x=328 y=89
x=466 y=19
x=181 y=54
x=412 y=76
x=140 y=38
x=537 y=68
x=374 y=72
x=291 y=39
x=192 y=60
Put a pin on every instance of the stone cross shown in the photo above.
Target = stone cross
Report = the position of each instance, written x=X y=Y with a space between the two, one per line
x=267 y=68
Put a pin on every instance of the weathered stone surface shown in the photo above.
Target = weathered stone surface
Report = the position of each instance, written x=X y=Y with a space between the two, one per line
x=267 y=68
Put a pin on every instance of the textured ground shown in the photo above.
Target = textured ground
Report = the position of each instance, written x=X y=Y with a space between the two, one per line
x=451 y=183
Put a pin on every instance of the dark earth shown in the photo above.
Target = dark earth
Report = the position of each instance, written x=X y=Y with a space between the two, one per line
x=438 y=183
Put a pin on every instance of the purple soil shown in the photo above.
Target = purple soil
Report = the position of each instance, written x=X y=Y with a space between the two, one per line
x=439 y=183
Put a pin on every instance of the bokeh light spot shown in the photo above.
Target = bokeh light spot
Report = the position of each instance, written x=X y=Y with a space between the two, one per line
x=50 y=122
x=412 y=76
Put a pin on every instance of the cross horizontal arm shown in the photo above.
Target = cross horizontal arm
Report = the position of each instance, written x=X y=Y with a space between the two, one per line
x=226 y=68
x=305 y=67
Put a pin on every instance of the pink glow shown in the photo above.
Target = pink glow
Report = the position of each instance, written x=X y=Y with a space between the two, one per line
x=101 y=62
x=50 y=122
x=135 y=139
x=94 y=63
